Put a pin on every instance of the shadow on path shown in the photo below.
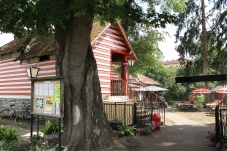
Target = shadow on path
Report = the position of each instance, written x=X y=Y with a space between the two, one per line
x=177 y=138
x=184 y=135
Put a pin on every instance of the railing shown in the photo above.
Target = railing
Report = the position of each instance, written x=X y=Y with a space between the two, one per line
x=119 y=88
x=221 y=120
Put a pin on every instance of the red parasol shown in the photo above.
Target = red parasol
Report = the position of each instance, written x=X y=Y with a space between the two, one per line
x=222 y=90
x=201 y=90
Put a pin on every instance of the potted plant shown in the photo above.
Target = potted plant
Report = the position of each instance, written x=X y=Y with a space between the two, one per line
x=115 y=124
x=146 y=130
x=126 y=131
x=50 y=130
x=44 y=145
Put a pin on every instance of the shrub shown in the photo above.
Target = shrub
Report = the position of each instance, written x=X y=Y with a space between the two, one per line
x=199 y=100
x=115 y=124
x=44 y=144
x=16 y=146
x=9 y=134
x=126 y=131
x=50 y=127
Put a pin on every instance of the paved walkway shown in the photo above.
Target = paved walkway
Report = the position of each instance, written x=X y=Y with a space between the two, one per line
x=185 y=135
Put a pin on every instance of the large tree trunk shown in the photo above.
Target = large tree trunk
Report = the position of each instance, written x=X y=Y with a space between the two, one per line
x=85 y=125
x=204 y=42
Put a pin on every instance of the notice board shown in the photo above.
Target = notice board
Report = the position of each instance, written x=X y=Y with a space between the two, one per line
x=47 y=96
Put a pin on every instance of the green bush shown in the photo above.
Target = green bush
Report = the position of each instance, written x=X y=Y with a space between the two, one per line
x=126 y=131
x=9 y=134
x=51 y=127
x=16 y=146
x=44 y=144
x=199 y=100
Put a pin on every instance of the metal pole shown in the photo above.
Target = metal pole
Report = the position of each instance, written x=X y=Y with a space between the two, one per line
x=59 y=133
x=31 y=125
x=221 y=123
x=125 y=113
x=164 y=115
x=37 y=127
x=217 y=126
x=134 y=114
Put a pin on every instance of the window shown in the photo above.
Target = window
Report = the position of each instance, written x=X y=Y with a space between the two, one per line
x=44 y=58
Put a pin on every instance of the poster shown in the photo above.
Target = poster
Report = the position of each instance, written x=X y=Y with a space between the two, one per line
x=57 y=93
x=39 y=102
x=49 y=105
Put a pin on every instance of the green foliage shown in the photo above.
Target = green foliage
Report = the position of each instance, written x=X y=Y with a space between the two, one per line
x=189 y=37
x=199 y=100
x=126 y=131
x=167 y=78
x=116 y=121
x=44 y=144
x=146 y=48
x=9 y=134
x=1 y=130
x=50 y=128
x=146 y=130
x=115 y=124
x=17 y=146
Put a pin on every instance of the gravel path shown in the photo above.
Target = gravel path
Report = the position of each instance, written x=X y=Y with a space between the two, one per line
x=184 y=135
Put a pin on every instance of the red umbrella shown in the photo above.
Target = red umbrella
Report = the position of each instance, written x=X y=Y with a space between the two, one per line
x=222 y=90
x=201 y=90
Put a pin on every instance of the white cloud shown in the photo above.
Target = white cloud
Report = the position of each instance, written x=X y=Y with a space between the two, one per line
x=5 y=38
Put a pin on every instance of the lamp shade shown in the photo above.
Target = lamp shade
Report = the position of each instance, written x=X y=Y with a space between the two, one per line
x=32 y=72
x=130 y=62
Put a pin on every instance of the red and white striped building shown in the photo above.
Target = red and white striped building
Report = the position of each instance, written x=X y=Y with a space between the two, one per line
x=109 y=45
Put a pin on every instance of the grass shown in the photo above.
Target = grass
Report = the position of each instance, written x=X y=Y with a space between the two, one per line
x=202 y=116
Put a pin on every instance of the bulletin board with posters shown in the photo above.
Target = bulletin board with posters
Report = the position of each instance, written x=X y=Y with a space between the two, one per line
x=47 y=96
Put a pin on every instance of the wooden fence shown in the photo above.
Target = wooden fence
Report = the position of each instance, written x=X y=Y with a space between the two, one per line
x=125 y=111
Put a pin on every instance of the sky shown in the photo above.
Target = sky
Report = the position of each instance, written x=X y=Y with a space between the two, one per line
x=168 y=45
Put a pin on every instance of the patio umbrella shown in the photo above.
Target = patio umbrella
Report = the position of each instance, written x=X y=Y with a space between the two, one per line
x=222 y=90
x=201 y=90
x=156 y=88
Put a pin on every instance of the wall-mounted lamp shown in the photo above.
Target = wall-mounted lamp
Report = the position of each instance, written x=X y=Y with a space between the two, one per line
x=32 y=72
x=130 y=62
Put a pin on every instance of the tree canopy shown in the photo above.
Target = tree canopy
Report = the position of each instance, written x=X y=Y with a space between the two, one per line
x=189 y=34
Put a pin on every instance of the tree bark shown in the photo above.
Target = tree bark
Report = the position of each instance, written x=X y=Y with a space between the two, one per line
x=204 y=42
x=85 y=125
